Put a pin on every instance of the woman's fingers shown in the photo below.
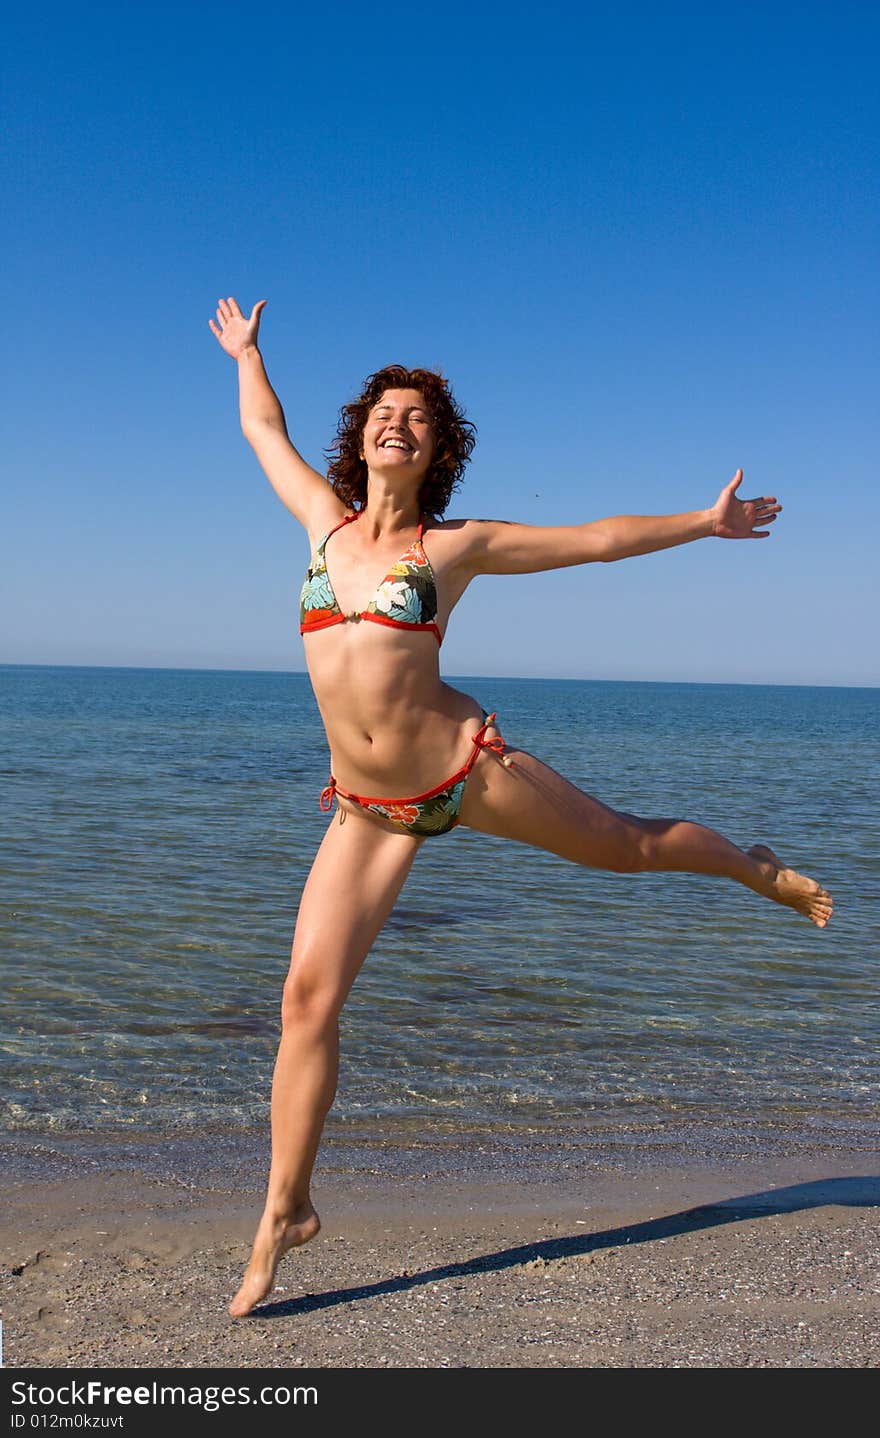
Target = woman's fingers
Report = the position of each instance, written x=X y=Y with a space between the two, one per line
x=229 y=309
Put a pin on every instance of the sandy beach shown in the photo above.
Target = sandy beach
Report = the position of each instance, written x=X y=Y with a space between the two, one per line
x=440 y=1256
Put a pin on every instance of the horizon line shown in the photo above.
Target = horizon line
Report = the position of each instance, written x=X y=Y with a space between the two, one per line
x=518 y=678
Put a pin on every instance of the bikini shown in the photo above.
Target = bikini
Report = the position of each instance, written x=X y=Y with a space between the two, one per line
x=405 y=599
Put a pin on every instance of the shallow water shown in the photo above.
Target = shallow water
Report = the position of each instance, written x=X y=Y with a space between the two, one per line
x=157 y=827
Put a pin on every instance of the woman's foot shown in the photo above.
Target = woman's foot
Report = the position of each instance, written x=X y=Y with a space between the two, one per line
x=274 y=1237
x=787 y=886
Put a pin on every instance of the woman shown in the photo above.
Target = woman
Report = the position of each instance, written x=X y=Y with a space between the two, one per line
x=410 y=756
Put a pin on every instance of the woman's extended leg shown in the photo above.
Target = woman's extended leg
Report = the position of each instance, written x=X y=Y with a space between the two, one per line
x=357 y=875
x=530 y=802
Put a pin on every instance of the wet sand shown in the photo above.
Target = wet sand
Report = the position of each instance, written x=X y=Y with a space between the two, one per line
x=442 y=1257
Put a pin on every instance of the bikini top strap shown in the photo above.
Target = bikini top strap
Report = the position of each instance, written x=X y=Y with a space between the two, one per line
x=346 y=519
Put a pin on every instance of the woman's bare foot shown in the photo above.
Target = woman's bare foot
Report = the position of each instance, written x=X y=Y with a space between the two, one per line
x=274 y=1237
x=789 y=887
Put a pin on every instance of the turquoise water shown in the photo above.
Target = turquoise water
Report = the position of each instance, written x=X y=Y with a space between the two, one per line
x=157 y=827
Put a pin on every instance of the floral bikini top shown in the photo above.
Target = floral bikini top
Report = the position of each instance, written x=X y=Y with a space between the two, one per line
x=406 y=598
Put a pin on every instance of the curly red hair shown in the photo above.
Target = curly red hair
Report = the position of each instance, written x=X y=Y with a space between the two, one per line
x=454 y=438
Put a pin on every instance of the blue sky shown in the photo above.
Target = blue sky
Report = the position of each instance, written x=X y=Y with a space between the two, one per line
x=641 y=240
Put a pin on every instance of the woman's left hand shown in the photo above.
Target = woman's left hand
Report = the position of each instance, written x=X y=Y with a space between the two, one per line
x=734 y=518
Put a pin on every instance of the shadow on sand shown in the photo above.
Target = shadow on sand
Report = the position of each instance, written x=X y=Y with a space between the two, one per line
x=846 y=1192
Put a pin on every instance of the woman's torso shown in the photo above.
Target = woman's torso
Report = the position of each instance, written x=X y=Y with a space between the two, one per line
x=393 y=726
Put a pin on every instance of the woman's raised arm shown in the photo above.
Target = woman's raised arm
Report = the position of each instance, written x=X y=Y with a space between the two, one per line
x=300 y=488
x=495 y=547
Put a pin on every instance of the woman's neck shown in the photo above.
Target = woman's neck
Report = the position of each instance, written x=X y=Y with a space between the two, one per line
x=388 y=510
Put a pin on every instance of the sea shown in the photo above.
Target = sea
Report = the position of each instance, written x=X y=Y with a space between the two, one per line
x=157 y=826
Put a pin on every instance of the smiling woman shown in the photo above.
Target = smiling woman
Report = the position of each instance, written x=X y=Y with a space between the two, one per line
x=396 y=729
x=424 y=402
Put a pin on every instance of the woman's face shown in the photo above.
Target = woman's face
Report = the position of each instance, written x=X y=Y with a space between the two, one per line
x=398 y=436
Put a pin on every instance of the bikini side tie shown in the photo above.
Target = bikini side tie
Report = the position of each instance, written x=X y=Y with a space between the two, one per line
x=497 y=744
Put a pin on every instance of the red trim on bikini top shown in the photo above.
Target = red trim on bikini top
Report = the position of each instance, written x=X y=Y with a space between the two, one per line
x=341 y=618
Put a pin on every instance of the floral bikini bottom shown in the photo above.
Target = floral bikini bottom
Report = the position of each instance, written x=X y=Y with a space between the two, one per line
x=424 y=815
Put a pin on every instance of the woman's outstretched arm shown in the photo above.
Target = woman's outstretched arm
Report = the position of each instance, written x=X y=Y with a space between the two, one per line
x=495 y=547
x=300 y=488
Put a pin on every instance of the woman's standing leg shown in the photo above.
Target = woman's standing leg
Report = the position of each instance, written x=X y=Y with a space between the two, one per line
x=354 y=882
x=523 y=799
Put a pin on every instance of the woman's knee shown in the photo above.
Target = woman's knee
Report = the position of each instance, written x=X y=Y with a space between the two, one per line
x=648 y=837
x=308 y=1001
x=630 y=846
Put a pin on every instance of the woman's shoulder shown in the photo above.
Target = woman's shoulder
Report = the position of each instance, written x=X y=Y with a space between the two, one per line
x=458 y=543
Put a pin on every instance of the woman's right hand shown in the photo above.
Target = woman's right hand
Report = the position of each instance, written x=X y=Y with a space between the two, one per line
x=235 y=333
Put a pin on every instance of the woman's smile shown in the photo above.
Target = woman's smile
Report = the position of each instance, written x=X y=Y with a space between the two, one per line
x=399 y=426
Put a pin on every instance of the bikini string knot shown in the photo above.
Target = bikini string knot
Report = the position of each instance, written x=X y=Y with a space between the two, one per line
x=326 y=799
x=496 y=744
